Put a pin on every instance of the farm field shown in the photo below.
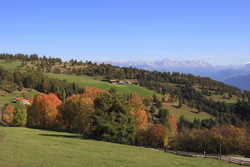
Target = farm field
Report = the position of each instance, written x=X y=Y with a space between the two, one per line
x=33 y=147
x=90 y=82
x=189 y=113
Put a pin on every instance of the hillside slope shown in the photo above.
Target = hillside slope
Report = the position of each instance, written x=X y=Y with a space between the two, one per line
x=203 y=94
x=90 y=82
x=32 y=147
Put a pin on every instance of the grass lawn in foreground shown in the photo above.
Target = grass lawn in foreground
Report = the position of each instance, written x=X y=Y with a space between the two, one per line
x=33 y=147
x=90 y=82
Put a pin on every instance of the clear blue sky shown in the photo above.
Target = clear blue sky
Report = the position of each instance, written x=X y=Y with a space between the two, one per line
x=216 y=31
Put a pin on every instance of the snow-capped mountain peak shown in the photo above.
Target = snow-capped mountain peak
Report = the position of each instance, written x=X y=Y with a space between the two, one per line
x=246 y=63
x=195 y=67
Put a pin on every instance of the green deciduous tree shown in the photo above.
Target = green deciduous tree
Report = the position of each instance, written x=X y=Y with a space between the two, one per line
x=77 y=112
x=20 y=115
x=57 y=70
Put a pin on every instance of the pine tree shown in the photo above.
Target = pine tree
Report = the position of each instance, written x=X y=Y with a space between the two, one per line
x=152 y=109
x=112 y=120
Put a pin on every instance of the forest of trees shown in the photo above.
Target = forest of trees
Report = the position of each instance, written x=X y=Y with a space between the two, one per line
x=98 y=114
x=17 y=80
x=109 y=116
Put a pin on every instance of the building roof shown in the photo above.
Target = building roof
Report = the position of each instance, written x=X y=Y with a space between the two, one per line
x=19 y=98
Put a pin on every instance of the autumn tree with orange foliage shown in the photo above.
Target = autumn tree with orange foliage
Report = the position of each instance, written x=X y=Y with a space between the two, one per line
x=43 y=111
x=170 y=124
x=233 y=140
x=8 y=114
x=77 y=112
x=137 y=108
x=92 y=93
x=156 y=135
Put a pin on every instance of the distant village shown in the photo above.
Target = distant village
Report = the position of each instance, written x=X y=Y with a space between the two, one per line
x=122 y=82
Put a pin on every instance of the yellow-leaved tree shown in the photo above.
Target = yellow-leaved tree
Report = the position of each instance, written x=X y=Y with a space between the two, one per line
x=77 y=112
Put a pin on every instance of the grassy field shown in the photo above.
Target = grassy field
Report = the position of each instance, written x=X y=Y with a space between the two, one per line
x=10 y=66
x=32 y=147
x=189 y=113
x=90 y=82
x=10 y=97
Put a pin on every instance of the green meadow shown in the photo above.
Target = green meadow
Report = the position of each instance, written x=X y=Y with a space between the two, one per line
x=95 y=83
x=10 y=65
x=33 y=147
x=189 y=113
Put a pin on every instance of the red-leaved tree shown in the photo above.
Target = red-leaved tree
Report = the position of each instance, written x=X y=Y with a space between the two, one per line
x=43 y=111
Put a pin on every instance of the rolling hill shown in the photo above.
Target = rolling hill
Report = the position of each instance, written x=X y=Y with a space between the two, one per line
x=95 y=83
x=202 y=93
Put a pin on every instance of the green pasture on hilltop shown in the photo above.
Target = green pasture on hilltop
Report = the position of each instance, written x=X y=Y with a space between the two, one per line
x=10 y=65
x=95 y=83
x=189 y=113
x=33 y=147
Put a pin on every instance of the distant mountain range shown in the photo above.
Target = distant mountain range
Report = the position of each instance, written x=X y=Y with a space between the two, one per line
x=241 y=81
x=235 y=75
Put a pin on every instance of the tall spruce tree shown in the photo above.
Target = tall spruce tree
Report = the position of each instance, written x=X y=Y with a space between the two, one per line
x=112 y=120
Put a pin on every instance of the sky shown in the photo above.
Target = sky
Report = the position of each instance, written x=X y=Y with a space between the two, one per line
x=215 y=31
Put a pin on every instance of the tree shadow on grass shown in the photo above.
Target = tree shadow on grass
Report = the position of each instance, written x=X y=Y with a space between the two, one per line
x=65 y=136
x=195 y=112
